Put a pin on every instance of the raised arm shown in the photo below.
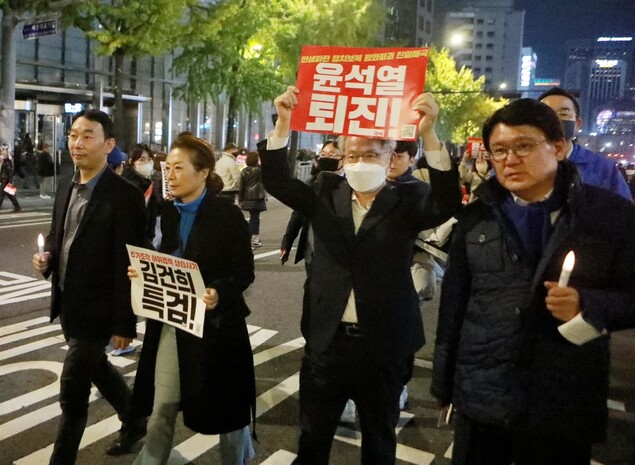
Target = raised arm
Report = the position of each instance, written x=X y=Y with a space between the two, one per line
x=444 y=198
x=276 y=175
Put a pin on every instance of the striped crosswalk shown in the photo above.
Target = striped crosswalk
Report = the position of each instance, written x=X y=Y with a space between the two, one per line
x=35 y=346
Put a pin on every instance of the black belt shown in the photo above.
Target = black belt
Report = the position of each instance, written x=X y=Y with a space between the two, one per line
x=350 y=329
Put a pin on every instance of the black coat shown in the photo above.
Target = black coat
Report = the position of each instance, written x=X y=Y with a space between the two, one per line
x=151 y=201
x=6 y=171
x=499 y=356
x=216 y=371
x=251 y=194
x=298 y=224
x=96 y=298
x=375 y=261
x=45 y=165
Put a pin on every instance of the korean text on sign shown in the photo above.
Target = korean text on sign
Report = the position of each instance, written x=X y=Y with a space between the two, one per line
x=359 y=91
x=167 y=290
x=476 y=148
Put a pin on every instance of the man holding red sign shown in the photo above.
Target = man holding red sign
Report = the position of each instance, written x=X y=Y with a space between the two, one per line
x=361 y=317
x=365 y=92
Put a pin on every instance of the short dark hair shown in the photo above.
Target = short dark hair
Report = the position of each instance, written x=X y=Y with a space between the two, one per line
x=409 y=146
x=100 y=117
x=252 y=159
x=334 y=142
x=137 y=151
x=563 y=93
x=528 y=112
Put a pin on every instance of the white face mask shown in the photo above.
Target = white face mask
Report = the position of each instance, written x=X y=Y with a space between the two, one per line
x=365 y=177
x=144 y=170
x=481 y=168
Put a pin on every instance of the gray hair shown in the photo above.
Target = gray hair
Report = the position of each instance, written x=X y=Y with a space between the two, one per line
x=385 y=143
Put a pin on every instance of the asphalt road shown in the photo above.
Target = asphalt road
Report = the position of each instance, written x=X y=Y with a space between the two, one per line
x=32 y=350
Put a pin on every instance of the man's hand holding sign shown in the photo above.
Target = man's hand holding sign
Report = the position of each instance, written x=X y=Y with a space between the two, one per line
x=359 y=295
x=360 y=92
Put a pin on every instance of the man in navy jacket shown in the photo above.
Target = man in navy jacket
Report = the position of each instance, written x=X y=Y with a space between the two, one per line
x=524 y=360
x=595 y=169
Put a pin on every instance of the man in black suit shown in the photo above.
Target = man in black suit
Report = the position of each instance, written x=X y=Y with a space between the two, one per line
x=361 y=317
x=96 y=213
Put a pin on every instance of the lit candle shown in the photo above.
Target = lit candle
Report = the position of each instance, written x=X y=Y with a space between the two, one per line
x=567 y=268
x=40 y=244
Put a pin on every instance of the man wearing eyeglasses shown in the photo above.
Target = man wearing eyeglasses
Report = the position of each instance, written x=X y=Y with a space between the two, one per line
x=330 y=159
x=595 y=169
x=523 y=357
x=361 y=317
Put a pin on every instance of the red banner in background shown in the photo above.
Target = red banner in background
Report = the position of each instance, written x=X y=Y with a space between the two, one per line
x=475 y=148
x=366 y=92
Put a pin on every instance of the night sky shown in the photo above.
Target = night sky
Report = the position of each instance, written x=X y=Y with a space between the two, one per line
x=549 y=23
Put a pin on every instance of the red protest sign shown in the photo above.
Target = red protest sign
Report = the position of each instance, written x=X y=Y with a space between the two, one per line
x=475 y=148
x=366 y=92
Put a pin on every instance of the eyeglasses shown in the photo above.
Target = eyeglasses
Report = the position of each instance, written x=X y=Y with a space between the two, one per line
x=335 y=155
x=367 y=157
x=520 y=149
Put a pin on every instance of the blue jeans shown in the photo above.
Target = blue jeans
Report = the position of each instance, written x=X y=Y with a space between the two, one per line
x=235 y=446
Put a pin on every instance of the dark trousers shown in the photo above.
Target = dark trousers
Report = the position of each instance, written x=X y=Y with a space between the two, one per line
x=29 y=171
x=85 y=363
x=229 y=195
x=479 y=444
x=12 y=198
x=254 y=222
x=345 y=372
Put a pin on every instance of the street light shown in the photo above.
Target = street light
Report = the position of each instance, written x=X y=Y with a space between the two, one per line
x=502 y=86
x=457 y=39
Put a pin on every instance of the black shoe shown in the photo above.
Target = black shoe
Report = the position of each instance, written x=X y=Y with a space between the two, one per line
x=128 y=437
x=17 y=209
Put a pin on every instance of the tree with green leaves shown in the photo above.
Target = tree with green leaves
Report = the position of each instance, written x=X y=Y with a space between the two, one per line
x=129 y=28
x=226 y=58
x=14 y=11
x=244 y=53
x=353 y=23
x=464 y=104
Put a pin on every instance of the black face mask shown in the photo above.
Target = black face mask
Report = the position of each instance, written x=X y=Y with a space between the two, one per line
x=328 y=164
x=569 y=129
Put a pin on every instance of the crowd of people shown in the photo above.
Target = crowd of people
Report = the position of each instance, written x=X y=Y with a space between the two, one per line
x=25 y=162
x=521 y=356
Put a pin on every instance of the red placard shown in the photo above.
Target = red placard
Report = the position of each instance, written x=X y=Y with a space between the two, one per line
x=366 y=92
x=475 y=148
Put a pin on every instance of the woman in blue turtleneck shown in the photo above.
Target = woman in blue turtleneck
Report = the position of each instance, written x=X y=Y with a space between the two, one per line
x=211 y=379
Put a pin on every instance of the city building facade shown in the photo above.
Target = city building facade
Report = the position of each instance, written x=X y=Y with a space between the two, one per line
x=600 y=70
x=487 y=36
x=410 y=23
x=58 y=74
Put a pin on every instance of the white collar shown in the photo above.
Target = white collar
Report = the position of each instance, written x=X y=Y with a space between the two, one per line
x=524 y=203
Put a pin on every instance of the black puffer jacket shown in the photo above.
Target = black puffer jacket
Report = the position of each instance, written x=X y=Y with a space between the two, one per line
x=499 y=356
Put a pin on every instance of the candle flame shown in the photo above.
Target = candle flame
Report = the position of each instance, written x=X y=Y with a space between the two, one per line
x=569 y=261
x=40 y=240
